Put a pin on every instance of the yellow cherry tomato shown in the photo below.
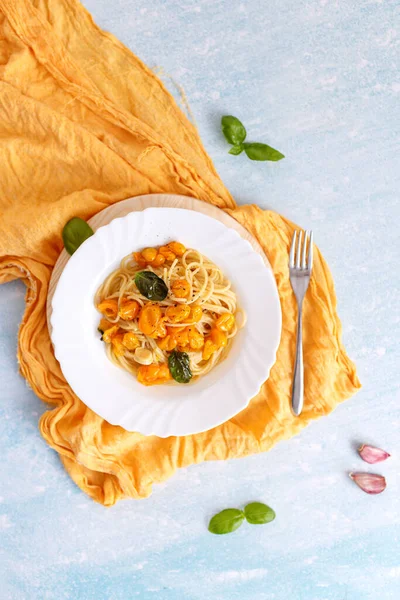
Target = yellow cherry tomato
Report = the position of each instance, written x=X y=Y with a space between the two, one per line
x=196 y=339
x=110 y=333
x=177 y=248
x=225 y=322
x=218 y=337
x=160 y=331
x=149 y=254
x=109 y=307
x=182 y=338
x=180 y=288
x=209 y=349
x=167 y=253
x=196 y=312
x=158 y=261
x=153 y=374
x=128 y=309
x=139 y=259
x=177 y=314
x=118 y=344
x=130 y=341
x=149 y=318
x=168 y=343
x=104 y=325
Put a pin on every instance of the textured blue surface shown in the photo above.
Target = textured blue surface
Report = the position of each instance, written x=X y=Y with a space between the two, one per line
x=320 y=81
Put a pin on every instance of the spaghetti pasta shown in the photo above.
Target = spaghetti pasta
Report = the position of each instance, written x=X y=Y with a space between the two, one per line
x=197 y=316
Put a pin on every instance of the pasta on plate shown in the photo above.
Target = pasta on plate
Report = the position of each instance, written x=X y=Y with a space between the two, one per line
x=169 y=314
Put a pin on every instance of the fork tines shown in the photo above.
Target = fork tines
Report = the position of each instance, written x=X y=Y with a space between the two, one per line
x=299 y=258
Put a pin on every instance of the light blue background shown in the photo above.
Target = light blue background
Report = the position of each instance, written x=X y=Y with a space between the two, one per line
x=319 y=80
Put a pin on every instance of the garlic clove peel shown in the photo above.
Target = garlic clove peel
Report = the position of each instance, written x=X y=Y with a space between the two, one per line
x=370 y=483
x=372 y=455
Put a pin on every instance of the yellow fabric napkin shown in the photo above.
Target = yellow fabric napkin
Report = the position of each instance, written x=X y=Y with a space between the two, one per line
x=84 y=124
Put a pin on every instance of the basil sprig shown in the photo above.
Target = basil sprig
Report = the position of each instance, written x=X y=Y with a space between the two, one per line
x=235 y=133
x=230 y=519
x=151 y=286
x=179 y=366
x=75 y=232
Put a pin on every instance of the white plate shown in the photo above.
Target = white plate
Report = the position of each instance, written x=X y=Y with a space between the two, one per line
x=165 y=410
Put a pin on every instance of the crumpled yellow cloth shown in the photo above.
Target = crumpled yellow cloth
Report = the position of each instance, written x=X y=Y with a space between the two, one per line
x=84 y=124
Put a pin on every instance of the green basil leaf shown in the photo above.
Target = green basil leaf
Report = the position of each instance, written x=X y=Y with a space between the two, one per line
x=151 y=286
x=233 y=130
x=259 y=151
x=226 y=521
x=75 y=232
x=179 y=366
x=235 y=150
x=258 y=513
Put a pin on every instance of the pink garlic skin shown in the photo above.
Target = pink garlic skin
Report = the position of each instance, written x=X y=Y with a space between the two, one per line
x=369 y=482
x=372 y=455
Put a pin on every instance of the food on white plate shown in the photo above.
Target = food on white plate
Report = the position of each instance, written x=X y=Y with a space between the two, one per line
x=168 y=314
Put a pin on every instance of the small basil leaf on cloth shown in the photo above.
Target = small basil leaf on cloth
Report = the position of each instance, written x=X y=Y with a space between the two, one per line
x=75 y=232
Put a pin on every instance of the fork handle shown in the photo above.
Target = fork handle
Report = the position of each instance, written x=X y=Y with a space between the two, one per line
x=298 y=377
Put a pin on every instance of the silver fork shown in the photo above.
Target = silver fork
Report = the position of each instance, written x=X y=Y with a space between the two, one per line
x=300 y=268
